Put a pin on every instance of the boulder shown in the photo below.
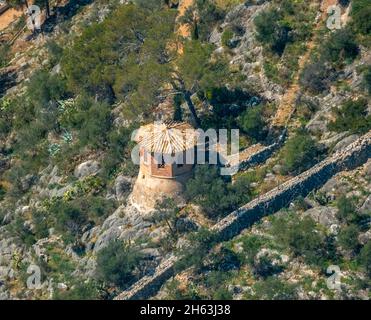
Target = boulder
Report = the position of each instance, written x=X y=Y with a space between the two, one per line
x=365 y=237
x=86 y=168
x=323 y=215
x=334 y=186
x=277 y=169
x=107 y=236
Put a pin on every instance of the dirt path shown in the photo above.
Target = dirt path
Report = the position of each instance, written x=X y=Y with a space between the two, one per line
x=287 y=104
x=7 y=17
x=184 y=30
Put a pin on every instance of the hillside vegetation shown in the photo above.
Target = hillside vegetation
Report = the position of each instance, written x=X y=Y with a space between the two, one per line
x=72 y=93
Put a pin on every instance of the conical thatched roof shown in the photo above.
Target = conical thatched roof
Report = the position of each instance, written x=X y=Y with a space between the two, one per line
x=167 y=137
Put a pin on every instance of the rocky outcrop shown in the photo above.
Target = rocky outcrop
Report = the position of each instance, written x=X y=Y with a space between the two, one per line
x=122 y=187
x=86 y=168
x=247 y=52
x=127 y=224
x=323 y=215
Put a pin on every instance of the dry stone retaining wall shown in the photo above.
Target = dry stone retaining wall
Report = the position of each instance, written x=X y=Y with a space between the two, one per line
x=263 y=154
x=351 y=157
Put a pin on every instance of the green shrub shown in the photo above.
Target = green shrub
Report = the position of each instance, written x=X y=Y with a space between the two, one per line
x=340 y=46
x=2 y=195
x=69 y=218
x=227 y=37
x=95 y=126
x=347 y=210
x=365 y=258
x=117 y=264
x=40 y=221
x=227 y=106
x=93 y=121
x=251 y=246
x=118 y=151
x=361 y=16
x=55 y=52
x=222 y=293
x=4 y=55
x=79 y=291
x=271 y=71
x=352 y=116
x=273 y=288
x=22 y=231
x=214 y=194
x=240 y=192
x=299 y=153
x=348 y=238
x=174 y=293
x=252 y=122
x=264 y=266
x=367 y=79
x=45 y=88
x=201 y=242
x=208 y=190
x=224 y=260
x=272 y=31
x=302 y=237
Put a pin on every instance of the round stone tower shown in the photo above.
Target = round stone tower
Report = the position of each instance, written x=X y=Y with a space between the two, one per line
x=167 y=153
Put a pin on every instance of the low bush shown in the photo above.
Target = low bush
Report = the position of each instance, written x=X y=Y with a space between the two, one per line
x=351 y=116
x=70 y=217
x=367 y=79
x=299 y=153
x=79 y=291
x=361 y=16
x=365 y=258
x=272 y=31
x=4 y=55
x=253 y=123
x=227 y=37
x=316 y=77
x=117 y=264
x=348 y=238
x=302 y=237
x=347 y=210
x=341 y=46
x=273 y=288
x=214 y=194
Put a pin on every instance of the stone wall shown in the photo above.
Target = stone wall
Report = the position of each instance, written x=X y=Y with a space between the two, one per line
x=263 y=154
x=351 y=157
x=3 y=7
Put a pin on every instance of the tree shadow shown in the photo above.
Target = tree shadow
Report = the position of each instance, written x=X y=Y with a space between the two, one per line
x=62 y=14
x=7 y=80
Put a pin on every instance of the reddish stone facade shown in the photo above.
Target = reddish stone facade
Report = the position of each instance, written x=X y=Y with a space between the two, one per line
x=155 y=165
